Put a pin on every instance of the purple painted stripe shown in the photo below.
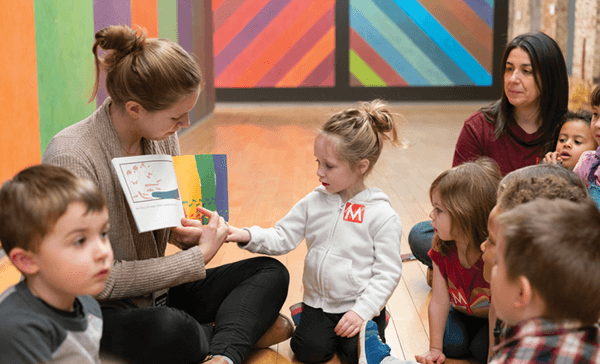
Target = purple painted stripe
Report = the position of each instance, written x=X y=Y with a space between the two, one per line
x=483 y=9
x=247 y=35
x=221 y=189
x=320 y=73
x=299 y=49
x=109 y=12
x=224 y=11
x=185 y=15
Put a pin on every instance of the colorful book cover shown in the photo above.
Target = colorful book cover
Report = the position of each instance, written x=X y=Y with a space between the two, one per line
x=202 y=180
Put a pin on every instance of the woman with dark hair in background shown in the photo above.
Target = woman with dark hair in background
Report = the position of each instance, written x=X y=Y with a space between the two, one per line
x=521 y=127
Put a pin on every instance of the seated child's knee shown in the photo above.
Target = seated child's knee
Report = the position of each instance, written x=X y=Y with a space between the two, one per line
x=308 y=350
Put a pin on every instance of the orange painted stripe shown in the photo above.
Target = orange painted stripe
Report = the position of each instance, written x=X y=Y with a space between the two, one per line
x=145 y=14
x=280 y=46
x=20 y=135
x=216 y=4
x=310 y=60
x=235 y=23
x=256 y=48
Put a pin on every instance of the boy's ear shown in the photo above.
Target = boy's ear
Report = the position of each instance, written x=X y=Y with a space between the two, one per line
x=363 y=165
x=133 y=109
x=23 y=260
x=526 y=295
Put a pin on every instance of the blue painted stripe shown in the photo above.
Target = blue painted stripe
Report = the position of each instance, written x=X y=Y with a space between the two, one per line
x=445 y=41
x=247 y=35
x=424 y=42
x=366 y=30
x=483 y=9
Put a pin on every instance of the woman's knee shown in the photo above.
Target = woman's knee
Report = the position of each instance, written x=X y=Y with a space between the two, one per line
x=276 y=272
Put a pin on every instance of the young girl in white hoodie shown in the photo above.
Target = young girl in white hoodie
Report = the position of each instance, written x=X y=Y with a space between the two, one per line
x=352 y=232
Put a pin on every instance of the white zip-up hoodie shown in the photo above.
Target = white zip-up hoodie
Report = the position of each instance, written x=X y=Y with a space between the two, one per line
x=353 y=260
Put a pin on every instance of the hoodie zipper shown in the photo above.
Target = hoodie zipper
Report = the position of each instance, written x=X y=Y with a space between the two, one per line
x=330 y=241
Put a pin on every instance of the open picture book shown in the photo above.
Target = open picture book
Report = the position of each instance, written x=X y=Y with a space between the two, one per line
x=161 y=189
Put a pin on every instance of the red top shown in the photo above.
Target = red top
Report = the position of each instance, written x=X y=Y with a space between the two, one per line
x=477 y=139
x=469 y=291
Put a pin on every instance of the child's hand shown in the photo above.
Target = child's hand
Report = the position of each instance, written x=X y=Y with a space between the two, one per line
x=234 y=235
x=349 y=325
x=433 y=356
x=552 y=157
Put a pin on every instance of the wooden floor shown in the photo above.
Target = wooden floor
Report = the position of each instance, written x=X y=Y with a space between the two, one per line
x=271 y=166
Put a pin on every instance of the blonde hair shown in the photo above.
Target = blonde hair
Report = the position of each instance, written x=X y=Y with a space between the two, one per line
x=468 y=192
x=360 y=132
x=155 y=73
x=33 y=201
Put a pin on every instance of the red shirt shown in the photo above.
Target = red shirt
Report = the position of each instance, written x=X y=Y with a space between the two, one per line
x=469 y=291
x=477 y=139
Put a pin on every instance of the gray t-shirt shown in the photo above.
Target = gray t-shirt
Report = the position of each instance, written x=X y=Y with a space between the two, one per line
x=31 y=331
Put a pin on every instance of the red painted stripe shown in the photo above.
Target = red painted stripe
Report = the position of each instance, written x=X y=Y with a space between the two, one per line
x=466 y=27
x=329 y=82
x=354 y=82
x=234 y=22
x=261 y=43
x=216 y=4
x=374 y=60
x=286 y=40
x=145 y=14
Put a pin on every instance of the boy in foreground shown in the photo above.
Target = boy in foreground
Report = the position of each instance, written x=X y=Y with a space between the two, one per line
x=545 y=283
x=54 y=229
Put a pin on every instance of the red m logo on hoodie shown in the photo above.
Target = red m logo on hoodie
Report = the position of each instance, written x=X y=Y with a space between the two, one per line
x=354 y=212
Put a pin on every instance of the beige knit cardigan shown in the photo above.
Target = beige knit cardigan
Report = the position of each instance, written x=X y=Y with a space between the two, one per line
x=140 y=267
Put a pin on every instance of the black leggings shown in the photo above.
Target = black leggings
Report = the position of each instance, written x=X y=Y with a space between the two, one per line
x=315 y=340
x=242 y=299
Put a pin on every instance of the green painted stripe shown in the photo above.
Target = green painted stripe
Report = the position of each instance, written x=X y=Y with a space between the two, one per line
x=363 y=72
x=167 y=19
x=64 y=35
x=208 y=185
x=402 y=43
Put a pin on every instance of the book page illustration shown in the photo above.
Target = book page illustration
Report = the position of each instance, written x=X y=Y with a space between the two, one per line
x=149 y=181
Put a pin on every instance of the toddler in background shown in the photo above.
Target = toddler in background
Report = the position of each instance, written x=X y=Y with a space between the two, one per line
x=55 y=231
x=575 y=137
x=462 y=199
x=352 y=232
x=587 y=167
x=541 y=282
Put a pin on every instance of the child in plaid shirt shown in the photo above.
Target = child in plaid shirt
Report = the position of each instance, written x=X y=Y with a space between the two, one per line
x=541 y=283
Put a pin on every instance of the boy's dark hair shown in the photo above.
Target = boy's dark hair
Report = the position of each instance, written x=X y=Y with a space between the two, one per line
x=595 y=97
x=555 y=244
x=468 y=192
x=32 y=202
x=579 y=114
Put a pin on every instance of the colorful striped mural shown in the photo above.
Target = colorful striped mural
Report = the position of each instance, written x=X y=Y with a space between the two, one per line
x=48 y=78
x=421 y=42
x=274 y=43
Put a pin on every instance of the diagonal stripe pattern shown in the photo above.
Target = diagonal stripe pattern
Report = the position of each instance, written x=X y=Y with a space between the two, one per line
x=421 y=42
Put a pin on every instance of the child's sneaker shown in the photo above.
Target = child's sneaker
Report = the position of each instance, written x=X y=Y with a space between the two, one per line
x=370 y=347
x=296 y=310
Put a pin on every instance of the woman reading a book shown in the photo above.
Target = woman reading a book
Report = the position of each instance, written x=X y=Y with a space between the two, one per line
x=157 y=308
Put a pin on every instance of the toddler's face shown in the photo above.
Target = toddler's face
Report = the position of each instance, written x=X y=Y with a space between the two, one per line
x=440 y=218
x=596 y=123
x=488 y=247
x=75 y=258
x=575 y=138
